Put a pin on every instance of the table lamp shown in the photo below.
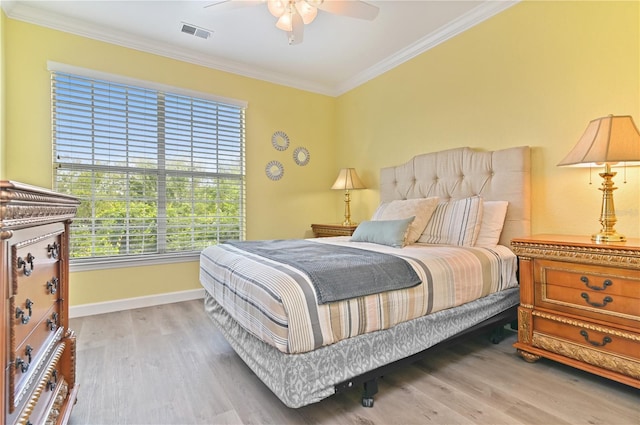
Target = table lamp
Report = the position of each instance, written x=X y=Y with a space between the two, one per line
x=347 y=180
x=607 y=141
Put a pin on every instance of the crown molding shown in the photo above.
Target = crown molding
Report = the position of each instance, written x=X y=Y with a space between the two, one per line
x=23 y=12
x=470 y=19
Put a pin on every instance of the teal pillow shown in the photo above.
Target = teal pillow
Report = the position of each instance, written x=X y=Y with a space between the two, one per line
x=384 y=232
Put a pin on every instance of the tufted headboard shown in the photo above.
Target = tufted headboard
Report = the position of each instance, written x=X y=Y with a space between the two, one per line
x=502 y=175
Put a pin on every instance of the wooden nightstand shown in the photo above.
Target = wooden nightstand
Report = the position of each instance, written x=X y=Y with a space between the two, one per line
x=326 y=230
x=580 y=304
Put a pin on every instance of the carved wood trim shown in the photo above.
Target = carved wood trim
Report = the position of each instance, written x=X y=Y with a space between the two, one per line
x=606 y=255
x=70 y=374
x=23 y=205
x=524 y=326
x=528 y=357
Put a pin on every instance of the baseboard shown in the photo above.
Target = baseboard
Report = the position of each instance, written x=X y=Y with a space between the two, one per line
x=131 y=303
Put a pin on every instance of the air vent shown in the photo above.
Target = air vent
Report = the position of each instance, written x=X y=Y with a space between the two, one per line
x=194 y=30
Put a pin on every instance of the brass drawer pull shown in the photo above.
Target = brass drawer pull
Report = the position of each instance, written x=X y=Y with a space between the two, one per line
x=22 y=263
x=605 y=301
x=606 y=283
x=53 y=250
x=606 y=340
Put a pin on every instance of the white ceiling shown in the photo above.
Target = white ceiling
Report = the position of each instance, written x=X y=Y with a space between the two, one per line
x=338 y=53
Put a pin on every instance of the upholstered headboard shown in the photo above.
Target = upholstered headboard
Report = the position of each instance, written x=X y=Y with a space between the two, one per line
x=502 y=175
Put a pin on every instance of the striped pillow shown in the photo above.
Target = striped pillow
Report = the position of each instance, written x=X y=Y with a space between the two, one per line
x=420 y=208
x=454 y=223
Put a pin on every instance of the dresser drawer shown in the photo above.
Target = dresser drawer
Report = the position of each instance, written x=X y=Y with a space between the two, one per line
x=32 y=257
x=590 y=343
x=28 y=359
x=49 y=390
x=43 y=317
x=34 y=312
x=47 y=409
x=35 y=282
x=610 y=295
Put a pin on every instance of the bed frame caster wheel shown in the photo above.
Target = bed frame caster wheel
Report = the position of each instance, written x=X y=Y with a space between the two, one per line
x=370 y=389
x=497 y=335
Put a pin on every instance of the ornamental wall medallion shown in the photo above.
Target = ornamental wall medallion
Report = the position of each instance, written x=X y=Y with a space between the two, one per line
x=301 y=156
x=274 y=170
x=280 y=140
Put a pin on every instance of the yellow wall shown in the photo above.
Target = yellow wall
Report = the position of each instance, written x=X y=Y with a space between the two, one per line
x=282 y=209
x=532 y=75
x=535 y=75
x=2 y=99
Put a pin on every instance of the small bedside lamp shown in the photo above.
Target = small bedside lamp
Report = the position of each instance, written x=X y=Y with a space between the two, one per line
x=347 y=180
x=606 y=141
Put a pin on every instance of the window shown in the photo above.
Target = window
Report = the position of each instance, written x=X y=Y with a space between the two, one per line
x=160 y=174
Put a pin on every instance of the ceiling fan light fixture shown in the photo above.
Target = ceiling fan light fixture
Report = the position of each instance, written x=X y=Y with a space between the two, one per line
x=285 y=23
x=307 y=11
x=277 y=7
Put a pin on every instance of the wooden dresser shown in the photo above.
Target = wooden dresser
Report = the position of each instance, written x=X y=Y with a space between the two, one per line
x=38 y=352
x=580 y=304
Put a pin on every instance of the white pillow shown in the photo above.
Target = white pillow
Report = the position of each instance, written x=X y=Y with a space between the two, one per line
x=420 y=208
x=454 y=222
x=493 y=215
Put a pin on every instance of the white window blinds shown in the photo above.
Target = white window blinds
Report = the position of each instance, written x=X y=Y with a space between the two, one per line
x=157 y=173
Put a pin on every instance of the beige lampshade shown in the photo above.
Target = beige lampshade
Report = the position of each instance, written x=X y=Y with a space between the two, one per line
x=609 y=139
x=347 y=180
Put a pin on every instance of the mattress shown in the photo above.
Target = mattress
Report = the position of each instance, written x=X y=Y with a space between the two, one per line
x=276 y=303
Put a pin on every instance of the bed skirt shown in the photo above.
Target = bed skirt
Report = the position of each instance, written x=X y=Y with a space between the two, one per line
x=301 y=379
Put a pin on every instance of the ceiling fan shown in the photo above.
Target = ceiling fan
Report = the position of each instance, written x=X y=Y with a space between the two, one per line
x=293 y=15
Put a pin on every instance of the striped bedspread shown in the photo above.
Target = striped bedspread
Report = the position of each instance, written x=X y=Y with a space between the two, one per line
x=277 y=303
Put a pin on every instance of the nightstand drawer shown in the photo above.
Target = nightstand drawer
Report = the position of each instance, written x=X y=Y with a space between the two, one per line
x=597 y=302
x=598 y=345
x=611 y=295
x=610 y=280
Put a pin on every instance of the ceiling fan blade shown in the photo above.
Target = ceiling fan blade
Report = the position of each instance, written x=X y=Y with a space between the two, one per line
x=224 y=5
x=297 y=29
x=352 y=8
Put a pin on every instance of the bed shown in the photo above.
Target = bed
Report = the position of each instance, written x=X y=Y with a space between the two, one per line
x=307 y=339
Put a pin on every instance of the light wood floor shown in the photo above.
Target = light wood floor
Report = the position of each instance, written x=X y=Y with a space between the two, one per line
x=169 y=365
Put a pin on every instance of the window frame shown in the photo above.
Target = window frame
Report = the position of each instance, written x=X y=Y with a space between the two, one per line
x=108 y=262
